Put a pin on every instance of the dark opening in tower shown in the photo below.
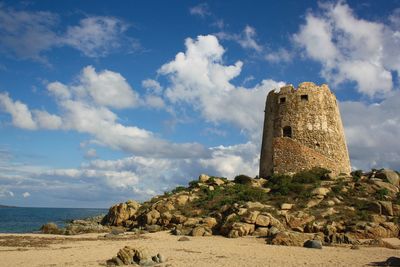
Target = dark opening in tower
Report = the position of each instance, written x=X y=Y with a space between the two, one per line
x=304 y=97
x=287 y=131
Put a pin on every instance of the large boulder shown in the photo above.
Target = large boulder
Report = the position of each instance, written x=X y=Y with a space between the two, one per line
x=120 y=213
x=263 y=220
x=82 y=227
x=201 y=231
x=152 y=217
x=203 y=178
x=320 y=191
x=389 y=176
x=299 y=220
x=313 y=244
x=241 y=229
x=387 y=208
x=210 y=222
x=251 y=216
x=182 y=199
x=384 y=185
x=136 y=256
x=287 y=238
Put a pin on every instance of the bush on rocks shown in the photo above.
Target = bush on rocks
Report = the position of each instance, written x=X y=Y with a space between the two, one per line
x=50 y=228
x=242 y=179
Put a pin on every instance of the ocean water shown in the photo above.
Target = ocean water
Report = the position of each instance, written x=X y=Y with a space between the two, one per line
x=26 y=220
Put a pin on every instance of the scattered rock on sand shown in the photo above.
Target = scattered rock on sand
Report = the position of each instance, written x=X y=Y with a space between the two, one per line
x=184 y=238
x=313 y=244
x=129 y=255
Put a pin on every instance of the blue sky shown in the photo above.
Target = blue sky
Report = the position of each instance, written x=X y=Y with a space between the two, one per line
x=101 y=103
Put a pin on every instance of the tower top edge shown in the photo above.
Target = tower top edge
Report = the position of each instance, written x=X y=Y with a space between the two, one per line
x=304 y=87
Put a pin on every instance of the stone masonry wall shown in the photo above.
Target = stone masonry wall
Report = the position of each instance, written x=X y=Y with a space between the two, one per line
x=313 y=116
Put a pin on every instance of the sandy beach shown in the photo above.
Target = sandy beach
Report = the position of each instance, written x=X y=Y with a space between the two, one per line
x=94 y=250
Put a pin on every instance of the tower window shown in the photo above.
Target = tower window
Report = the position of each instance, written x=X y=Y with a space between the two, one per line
x=287 y=131
x=304 y=97
x=282 y=100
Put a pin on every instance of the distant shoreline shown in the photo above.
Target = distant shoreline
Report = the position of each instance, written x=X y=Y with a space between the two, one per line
x=5 y=206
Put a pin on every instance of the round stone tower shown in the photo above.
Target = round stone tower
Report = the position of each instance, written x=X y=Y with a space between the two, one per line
x=302 y=130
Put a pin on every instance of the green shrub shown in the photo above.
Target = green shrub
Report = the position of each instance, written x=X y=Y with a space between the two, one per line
x=280 y=183
x=238 y=193
x=380 y=194
x=311 y=176
x=356 y=175
x=178 y=189
x=337 y=189
x=193 y=183
x=363 y=215
x=242 y=179
x=300 y=184
x=396 y=200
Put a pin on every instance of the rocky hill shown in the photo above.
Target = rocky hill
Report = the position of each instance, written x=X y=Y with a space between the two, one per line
x=286 y=210
x=361 y=208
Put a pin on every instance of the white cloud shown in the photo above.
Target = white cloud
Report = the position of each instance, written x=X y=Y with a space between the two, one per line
x=281 y=55
x=351 y=49
x=84 y=108
x=201 y=10
x=107 y=88
x=233 y=160
x=5 y=193
x=59 y=90
x=96 y=36
x=152 y=85
x=20 y=113
x=91 y=153
x=154 y=101
x=46 y=120
x=29 y=34
x=372 y=132
x=26 y=194
x=199 y=78
x=246 y=39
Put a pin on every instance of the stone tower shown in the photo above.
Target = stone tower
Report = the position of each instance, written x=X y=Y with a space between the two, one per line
x=303 y=129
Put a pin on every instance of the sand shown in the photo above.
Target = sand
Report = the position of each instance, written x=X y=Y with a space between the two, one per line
x=94 y=250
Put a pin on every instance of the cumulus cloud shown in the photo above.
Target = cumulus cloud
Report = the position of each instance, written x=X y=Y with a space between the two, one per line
x=372 y=132
x=351 y=49
x=26 y=194
x=107 y=88
x=85 y=108
x=46 y=120
x=29 y=34
x=20 y=113
x=199 y=78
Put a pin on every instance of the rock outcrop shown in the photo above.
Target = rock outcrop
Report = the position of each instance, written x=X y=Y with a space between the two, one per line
x=286 y=210
x=121 y=214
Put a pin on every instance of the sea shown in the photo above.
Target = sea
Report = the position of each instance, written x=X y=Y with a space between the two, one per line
x=28 y=220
